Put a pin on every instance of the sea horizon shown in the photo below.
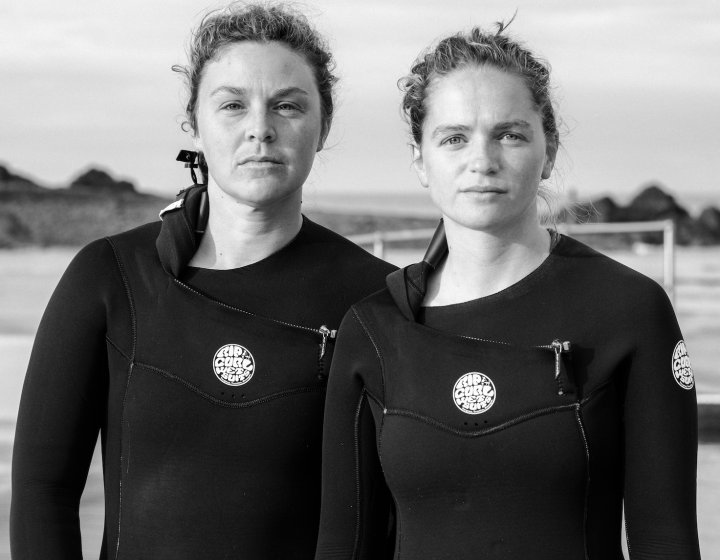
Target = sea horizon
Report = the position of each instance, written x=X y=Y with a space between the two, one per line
x=418 y=204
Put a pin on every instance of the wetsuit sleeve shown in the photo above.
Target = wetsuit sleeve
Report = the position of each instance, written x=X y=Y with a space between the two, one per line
x=660 y=423
x=61 y=411
x=355 y=514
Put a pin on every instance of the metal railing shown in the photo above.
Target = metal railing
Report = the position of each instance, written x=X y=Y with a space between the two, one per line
x=379 y=239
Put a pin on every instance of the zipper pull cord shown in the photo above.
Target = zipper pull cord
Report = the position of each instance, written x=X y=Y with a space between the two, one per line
x=559 y=347
x=325 y=333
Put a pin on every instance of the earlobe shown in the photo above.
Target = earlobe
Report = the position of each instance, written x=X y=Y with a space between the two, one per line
x=549 y=162
x=419 y=164
x=547 y=169
x=323 y=136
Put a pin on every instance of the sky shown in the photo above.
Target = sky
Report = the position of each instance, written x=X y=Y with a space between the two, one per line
x=88 y=83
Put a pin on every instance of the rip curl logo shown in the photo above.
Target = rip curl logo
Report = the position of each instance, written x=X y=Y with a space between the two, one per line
x=681 y=368
x=474 y=393
x=233 y=364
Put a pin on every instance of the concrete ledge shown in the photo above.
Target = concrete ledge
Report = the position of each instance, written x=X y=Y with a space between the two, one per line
x=709 y=418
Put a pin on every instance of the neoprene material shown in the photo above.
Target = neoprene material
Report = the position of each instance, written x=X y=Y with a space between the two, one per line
x=207 y=388
x=513 y=426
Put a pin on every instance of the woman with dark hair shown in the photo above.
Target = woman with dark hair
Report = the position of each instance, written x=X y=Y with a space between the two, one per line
x=508 y=396
x=198 y=347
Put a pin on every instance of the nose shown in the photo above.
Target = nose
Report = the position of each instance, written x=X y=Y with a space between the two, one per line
x=260 y=127
x=484 y=157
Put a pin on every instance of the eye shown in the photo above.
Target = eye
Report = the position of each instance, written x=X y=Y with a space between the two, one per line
x=511 y=138
x=287 y=107
x=452 y=140
x=232 y=106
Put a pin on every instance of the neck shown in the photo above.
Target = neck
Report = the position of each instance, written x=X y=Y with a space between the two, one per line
x=481 y=263
x=238 y=234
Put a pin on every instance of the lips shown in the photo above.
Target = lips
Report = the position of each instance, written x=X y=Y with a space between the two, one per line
x=260 y=160
x=484 y=190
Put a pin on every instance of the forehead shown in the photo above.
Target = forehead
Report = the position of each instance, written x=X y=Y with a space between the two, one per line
x=271 y=65
x=478 y=92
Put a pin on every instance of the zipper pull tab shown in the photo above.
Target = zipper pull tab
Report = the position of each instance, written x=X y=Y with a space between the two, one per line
x=325 y=333
x=559 y=347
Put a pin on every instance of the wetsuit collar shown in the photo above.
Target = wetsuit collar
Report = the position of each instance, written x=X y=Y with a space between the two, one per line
x=183 y=223
x=408 y=285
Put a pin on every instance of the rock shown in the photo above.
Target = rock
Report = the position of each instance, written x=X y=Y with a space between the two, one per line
x=11 y=182
x=654 y=204
x=708 y=226
x=99 y=181
x=603 y=209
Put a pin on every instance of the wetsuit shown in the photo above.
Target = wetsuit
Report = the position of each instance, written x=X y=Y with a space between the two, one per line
x=207 y=388
x=513 y=426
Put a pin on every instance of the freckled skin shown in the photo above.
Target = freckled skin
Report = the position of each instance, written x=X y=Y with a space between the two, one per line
x=258 y=100
x=483 y=151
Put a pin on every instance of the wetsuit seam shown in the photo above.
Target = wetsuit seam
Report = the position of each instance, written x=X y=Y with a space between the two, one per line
x=128 y=293
x=133 y=328
x=229 y=307
x=358 y=516
x=214 y=400
x=414 y=286
x=375 y=345
x=479 y=433
x=116 y=347
x=581 y=429
x=375 y=398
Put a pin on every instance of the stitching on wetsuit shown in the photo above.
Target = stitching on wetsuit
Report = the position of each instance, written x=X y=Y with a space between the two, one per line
x=413 y=285
x=581 y=428
x=374 y=398
x=367 y=332
x=226 y=404
x=133 y=326
x=356 y=429
x=128 y=292
x=477 y=433
x=224 y=305
x=117 y=348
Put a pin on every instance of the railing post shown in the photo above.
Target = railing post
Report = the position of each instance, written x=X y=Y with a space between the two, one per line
x=669 y=259
x=379 y=245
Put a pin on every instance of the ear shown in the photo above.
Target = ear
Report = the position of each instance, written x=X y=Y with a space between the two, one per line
x=419 y=164
x=323 y=136
x=550 y=153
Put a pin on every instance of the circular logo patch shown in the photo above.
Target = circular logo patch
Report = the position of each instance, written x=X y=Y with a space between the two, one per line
x=233 y=364
x=474 y=393
x=681 y=368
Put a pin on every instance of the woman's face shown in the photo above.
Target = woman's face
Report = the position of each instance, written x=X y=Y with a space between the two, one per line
x=258 y=121
x=483 y=151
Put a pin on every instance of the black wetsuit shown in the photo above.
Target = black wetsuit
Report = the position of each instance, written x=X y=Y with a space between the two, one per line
x=207 y=388
x=513 y=426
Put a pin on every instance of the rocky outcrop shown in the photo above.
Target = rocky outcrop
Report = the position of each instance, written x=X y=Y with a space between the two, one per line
x=11 y=182
x=95 y=205
x=652 y=203
x=98 y=181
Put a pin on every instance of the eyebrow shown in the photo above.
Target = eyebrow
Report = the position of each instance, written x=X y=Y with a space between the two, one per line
x=283 y=92
x=448 y=128
x=519 y=123
x=505 y=125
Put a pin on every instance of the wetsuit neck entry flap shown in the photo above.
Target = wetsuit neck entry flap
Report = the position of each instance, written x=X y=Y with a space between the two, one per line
x=182 y=228
x=407 y=286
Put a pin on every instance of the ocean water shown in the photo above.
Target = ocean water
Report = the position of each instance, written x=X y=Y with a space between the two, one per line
x=418 y=203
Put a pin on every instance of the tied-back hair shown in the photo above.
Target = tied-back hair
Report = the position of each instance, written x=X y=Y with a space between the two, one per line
x=478 y=48
x=258 y=22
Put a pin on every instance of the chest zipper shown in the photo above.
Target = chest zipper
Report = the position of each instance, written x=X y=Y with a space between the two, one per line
x=324 y=332
x=558 y=346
